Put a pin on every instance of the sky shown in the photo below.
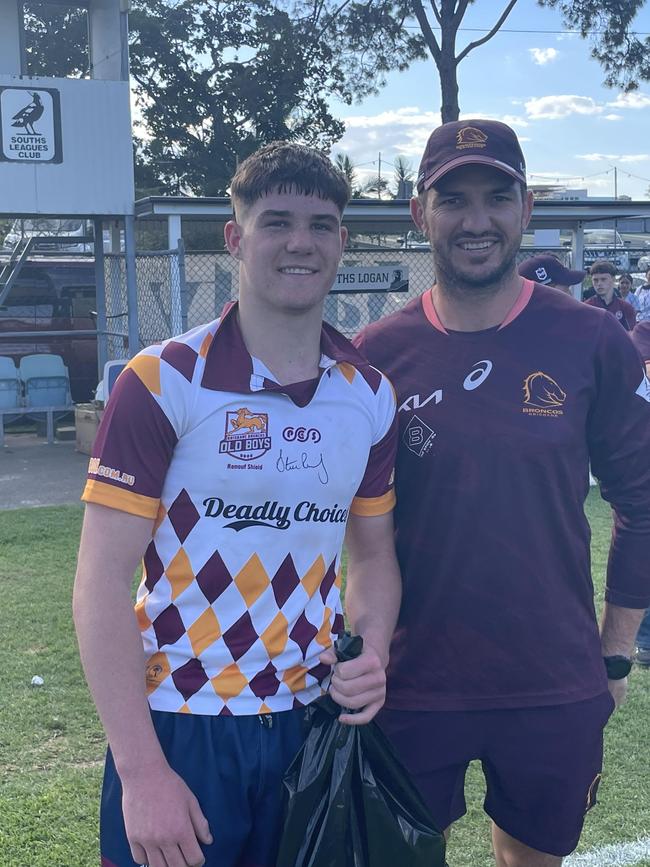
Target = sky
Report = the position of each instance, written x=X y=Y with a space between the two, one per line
x=543 y=84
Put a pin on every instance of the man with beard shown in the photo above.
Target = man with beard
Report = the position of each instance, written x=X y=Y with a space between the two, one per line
x=506 y=390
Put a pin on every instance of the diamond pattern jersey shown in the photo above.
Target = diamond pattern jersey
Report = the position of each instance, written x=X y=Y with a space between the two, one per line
x=250 y=484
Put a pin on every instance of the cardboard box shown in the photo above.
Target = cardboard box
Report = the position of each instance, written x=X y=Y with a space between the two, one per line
x=86 y=420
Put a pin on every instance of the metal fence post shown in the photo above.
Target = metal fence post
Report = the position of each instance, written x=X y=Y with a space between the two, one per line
x=131 y=284
x=100 y=290
x=182 y=284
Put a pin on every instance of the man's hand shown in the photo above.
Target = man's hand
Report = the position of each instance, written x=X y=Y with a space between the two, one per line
x=163 y=819
x=359 y=684
x=618 y=690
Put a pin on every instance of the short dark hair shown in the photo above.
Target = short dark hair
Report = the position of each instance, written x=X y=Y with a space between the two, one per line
x=286 y=166
x=603 y=266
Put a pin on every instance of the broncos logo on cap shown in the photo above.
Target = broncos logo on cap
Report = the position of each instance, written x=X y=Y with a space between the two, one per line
x=469 y=136
x=540 y=390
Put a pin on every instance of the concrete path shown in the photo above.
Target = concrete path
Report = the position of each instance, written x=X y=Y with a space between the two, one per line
x=33 y=473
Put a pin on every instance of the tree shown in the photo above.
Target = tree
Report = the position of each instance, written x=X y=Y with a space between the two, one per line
x=375 y=187
x=345 y=165
x=215 y=79
x=403 y=175
x=373 y=28
x=56 y=40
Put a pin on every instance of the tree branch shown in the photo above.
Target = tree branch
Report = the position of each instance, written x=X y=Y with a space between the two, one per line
x=459 y=14
x=427 y=32
x=436 y=12
x=494 y=30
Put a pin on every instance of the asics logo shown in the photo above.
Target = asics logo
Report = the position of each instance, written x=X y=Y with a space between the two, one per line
x=477 y=376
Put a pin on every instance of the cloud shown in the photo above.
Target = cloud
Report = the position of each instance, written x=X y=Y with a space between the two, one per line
x=398 y=132
x=631 y=100
x=510 y=119
x=611 y=117
x=541 y=56
x=556 y=107
x=614 y=158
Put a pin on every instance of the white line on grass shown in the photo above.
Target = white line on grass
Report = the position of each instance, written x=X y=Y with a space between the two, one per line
x=616 y=855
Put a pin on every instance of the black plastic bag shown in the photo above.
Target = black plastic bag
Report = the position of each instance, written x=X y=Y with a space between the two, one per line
x=350 y=803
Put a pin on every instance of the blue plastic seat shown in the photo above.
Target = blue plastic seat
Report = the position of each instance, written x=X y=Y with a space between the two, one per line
x=45 y=380
x=10 y=390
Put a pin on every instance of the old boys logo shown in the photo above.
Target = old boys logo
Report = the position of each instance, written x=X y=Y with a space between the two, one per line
x=247 y=435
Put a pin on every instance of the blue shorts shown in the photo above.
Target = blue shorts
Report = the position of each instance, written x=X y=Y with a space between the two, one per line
x=234 y=766
x=542 y=765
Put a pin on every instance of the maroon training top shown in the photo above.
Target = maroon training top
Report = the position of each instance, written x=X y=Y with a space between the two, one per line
x=622 y=310
x=641 y=339
x=497 y=429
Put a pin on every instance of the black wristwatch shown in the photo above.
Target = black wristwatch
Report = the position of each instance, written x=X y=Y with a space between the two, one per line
x=617 y=667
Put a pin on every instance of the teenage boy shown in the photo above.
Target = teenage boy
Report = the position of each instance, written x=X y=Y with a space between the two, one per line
x=603 y=274
x=232 y=458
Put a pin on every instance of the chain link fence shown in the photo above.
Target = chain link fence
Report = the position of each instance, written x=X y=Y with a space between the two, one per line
x=178 y=291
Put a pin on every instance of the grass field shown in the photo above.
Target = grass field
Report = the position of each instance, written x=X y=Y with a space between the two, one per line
x=51 y=744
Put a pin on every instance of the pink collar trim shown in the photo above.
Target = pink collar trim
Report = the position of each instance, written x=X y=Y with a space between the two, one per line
x=520 y=304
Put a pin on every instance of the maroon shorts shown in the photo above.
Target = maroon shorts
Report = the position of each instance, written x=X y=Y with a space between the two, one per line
x=542 y=765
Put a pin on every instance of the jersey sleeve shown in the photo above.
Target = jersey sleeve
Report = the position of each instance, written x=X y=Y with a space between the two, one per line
x=375 y=495
x=619 y=446
x=135 y=440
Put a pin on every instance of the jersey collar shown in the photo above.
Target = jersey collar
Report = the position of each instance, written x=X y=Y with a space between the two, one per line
x=230 y=367
x=518 y=307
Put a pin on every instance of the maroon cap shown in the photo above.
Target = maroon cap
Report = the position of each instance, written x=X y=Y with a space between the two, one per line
x=463 y=142
x=548 y=269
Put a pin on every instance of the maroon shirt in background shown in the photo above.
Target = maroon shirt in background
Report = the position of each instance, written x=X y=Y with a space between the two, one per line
x=622 y=310
x=497 y=429
x=641 y=339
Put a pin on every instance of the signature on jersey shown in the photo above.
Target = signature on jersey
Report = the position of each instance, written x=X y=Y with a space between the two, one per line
x=285 y=464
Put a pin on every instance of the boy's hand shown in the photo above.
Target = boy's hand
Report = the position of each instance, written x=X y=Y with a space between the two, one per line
x=163 y=819
x=359 y=684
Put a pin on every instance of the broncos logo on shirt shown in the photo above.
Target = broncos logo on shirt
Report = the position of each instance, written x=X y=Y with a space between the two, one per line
x=540 y=390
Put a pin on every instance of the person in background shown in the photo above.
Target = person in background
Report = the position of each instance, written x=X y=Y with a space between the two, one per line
x=506 y=390
x=643 y=296
x=549 y=271
x=603 y=274
x=626 y=291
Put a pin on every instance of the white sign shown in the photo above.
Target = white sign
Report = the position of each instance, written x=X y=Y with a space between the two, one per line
x=388 y=278
x=30 y=125
x=76 y=157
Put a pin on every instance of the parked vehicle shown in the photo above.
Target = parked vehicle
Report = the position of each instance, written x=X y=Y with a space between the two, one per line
x=605 y=244
x=54 y=295
x=48 y=230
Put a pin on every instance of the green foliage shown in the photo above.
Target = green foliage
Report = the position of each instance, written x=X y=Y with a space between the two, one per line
x=216 y=79
x=609 y=25
x=56 y=39
x=376 y=33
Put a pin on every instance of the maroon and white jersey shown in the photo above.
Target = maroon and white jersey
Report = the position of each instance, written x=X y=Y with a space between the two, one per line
x=250 y=483
x=621 y=310
x=497 y=429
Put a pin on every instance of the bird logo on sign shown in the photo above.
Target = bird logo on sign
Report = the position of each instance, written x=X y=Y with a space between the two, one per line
x=27 y=117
